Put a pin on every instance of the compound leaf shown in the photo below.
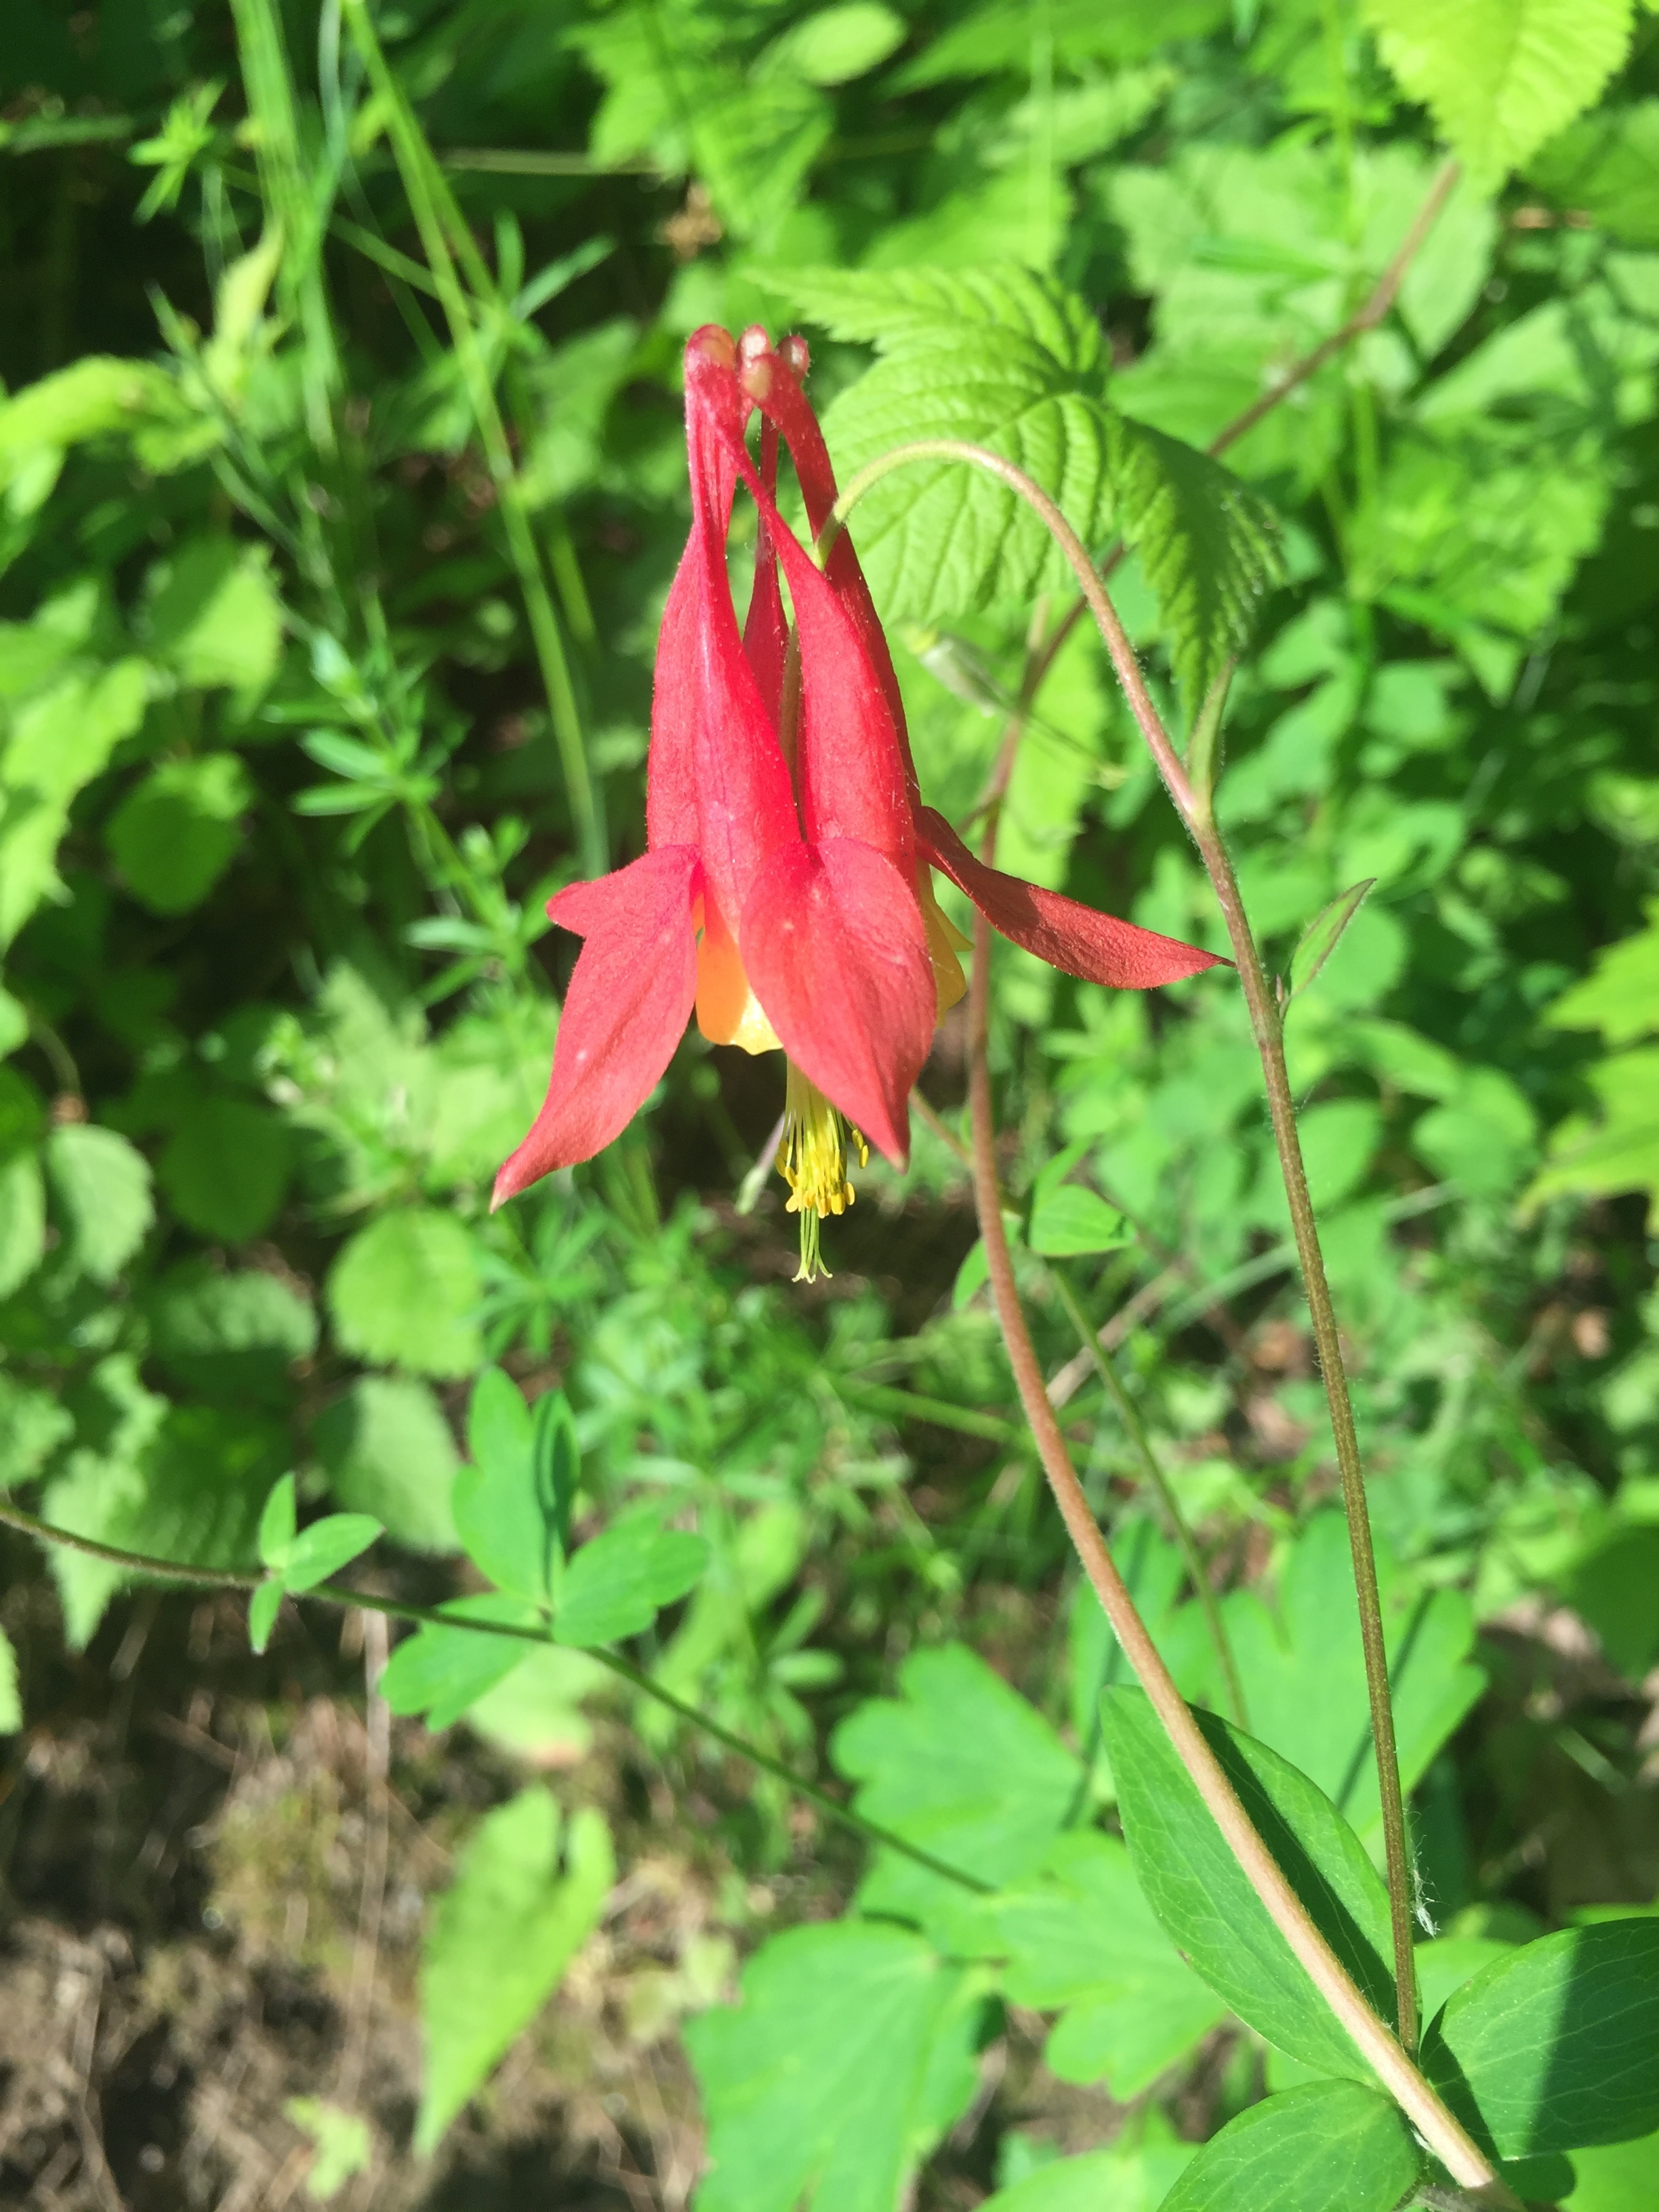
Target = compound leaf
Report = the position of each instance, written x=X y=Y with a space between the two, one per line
x=850 y=2052
x=1501 y=76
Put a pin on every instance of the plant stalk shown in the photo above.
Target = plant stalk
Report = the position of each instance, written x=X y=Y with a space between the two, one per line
x=1445 y=2134
x=189 y=1576
x=1194 y=807
x=1185 y=1542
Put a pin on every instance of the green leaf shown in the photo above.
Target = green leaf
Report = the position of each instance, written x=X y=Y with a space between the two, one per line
x=33 y=1423
x=22 y=1219
x=1324 y=934
x=501 y=1938
x=386 y=1449
x=1606 y=164
x=1332 y=2146
x=838 y=44
x=177 y=832
x=1132 y=2175
x=1556 y=2046
x=1304 y=1678
x=216 y=619
x=1615 y=2178
x=12 y=1702
x=325 y=1547
x=279 y=1524
x=997 y=356
x=960 y=1764
x=506 y=1512
x=96 y=397
x=405 y=1293
x=1208 y=1908
x=190 y=1487
x=59 y=740
x=1070 y=1219
x=1612 y=1589
x=615 y=1585
x=103 y=1185
x=343 y=2145
x=1620 y=996
x=850 y=2052
x=225 y=1168
x=1208 y=545
x=441 y=1671
x=263 y=1608
x=1081 y=1934
x=230 y=1337
x=1500 y=76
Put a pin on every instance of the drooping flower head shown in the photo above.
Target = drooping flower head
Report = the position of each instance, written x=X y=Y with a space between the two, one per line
x=786 y=890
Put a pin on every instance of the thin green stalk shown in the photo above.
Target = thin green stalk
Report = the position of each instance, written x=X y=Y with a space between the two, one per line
x=1195 y=809
x=192 y=1577
x=1154 y=1469
x=424 y=184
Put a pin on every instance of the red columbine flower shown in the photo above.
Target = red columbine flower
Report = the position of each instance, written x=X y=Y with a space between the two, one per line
x=785 y=889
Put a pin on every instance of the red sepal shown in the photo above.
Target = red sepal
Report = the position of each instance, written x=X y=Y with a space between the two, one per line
x=834 y=943
x=629 y=1002
x=1061 y=931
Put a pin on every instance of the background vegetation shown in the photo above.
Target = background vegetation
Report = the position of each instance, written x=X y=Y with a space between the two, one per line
x=340 y=480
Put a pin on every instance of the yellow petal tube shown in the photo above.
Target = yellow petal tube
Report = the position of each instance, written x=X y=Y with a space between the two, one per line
x=728 y=1013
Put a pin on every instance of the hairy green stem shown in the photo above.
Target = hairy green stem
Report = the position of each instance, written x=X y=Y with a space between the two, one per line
x=423 y=184
x=1164 y=1489
x=188 y=1576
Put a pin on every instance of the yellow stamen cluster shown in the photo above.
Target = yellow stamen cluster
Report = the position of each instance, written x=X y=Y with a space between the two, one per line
x=812 y=1161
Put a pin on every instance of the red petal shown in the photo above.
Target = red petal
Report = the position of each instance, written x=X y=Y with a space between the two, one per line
x=833 y=941
x=1061 y=931
x=745 y=806
x=777 y=391
x=852 y=769
x=626 y=1010
x=765 y=632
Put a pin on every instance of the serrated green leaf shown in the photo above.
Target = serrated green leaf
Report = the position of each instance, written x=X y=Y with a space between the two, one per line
x=230 y=1337
x=225 y=1168
x=60 y=738
x=1209 y=1909
x=1332 y=2146
x=405 y=1293
x=501 y=1938
x=1208 y=545
x=1607 y=165
x=615 y=1585
x=1324 y=934
x=102 y=1184
x=1557 y=2044
x=177 y=832
x=997 y=355
x=850 y=2051
x=22 y=1219
x=188 y=1484
x=1501 y=76
x=835 y=45
x=387 y=1450
x=214 y=618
